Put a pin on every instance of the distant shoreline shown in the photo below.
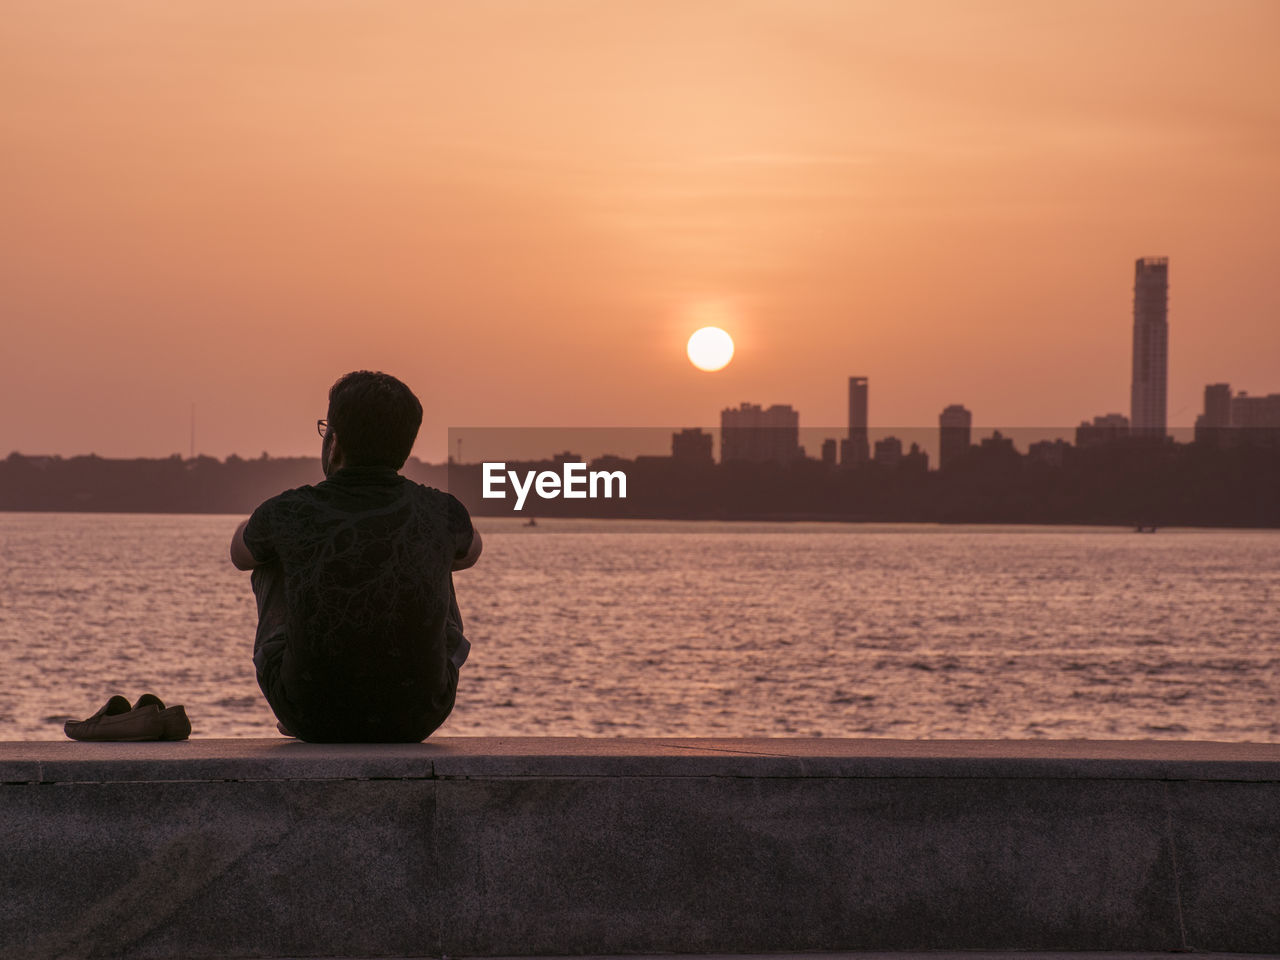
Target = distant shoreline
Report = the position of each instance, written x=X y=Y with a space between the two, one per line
x=1122 y=484
x=557 y=524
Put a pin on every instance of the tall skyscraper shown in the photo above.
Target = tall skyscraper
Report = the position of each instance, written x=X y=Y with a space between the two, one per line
x=855 y=448
x=954 y=424
x=1150 y=387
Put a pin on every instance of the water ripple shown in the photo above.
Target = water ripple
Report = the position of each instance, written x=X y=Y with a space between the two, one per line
x=598 y=629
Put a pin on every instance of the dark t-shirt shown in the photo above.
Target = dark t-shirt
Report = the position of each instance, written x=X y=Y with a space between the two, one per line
x=366 y=557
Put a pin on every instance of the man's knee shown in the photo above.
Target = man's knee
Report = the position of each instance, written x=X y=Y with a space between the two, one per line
x=267 y=657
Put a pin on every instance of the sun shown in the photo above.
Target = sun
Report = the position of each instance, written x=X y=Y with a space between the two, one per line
x=710 y=349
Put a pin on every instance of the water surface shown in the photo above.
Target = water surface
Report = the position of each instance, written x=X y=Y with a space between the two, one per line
x=606 y=628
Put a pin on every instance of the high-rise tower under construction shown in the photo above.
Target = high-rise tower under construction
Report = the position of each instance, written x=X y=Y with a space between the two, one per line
x=1150 y=388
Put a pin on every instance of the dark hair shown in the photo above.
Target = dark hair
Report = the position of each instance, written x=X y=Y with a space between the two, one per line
x=375 y=419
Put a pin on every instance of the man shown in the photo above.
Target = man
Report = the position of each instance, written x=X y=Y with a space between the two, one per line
x=359 y=636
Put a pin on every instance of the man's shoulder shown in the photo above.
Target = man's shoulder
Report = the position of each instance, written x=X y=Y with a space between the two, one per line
x=444 y=506
x=276 y=520
x=306 y=492
x=426 y=492
x=307 y=503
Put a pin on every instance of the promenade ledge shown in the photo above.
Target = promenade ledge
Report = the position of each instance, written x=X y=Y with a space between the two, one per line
x=539 y=846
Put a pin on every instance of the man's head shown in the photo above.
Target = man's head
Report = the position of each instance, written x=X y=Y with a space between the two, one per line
x=373 y=420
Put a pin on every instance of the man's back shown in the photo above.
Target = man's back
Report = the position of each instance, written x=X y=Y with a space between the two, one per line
x=366 y=559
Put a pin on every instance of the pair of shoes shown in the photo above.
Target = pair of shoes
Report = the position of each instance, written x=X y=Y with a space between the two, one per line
x=176 y=724
x=148 y=719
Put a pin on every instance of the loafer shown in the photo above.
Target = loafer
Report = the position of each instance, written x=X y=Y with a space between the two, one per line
x=118 y=721
x=176 y=726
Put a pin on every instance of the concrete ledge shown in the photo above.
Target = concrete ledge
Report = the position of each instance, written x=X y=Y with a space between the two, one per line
x=472 y=757
x=893 y=955
x=493 y=847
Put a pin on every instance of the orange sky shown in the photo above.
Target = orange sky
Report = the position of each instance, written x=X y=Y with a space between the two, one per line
x=523 y=210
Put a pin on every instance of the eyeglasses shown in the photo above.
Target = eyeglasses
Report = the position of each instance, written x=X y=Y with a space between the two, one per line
x=322 y=427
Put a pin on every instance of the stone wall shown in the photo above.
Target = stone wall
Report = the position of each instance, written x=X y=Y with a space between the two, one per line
x=474 y=847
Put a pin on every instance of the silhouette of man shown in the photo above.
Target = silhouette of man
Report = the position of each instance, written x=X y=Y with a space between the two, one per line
x=359 y=635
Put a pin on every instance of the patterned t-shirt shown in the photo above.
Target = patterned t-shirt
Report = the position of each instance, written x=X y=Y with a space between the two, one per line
x=367 y=557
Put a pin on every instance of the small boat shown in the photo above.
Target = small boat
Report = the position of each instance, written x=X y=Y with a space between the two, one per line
x=531 y=522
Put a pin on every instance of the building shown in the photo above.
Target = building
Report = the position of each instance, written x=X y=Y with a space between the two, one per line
x=1211 y=425
x=914 y=460
x=996 y=455
x=954 y=425
x=1231 y=420
x=997 y=445
x=1247 y=411
x=1051 y=453
x=855 y=448
x=757 y=435
x=1149 y=389
x=1217 y=405
x=691 y=446
x=889 y=451
x=829 y=451
x=1105 y=429
x=1222 y=410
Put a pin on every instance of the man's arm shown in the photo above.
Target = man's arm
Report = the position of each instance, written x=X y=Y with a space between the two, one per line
x=473 y=552
x=241 y=558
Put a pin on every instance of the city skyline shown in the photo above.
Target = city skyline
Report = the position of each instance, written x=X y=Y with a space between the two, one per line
x=525 y=211
x=752 y=432
x=1148 y=389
